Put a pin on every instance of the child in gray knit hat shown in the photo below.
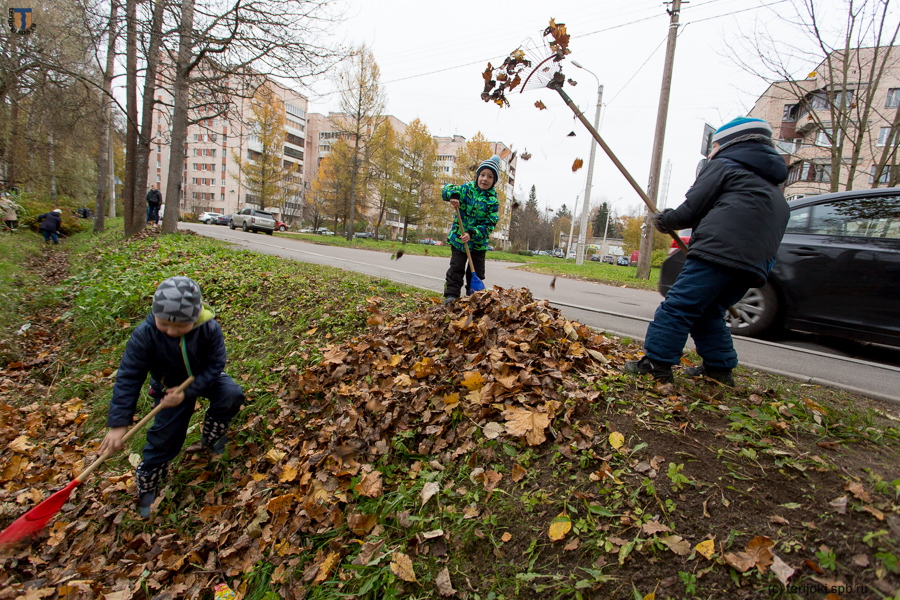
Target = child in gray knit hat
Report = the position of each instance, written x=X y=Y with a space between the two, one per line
x=179 y=338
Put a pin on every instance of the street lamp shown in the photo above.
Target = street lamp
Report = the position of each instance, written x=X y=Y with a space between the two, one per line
x=572 y=228
x=586 y=210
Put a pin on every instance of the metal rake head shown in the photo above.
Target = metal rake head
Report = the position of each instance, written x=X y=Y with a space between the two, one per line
x=531 y=66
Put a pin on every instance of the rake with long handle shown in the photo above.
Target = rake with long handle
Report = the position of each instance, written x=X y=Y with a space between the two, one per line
x=476 y=284
x=36 y=518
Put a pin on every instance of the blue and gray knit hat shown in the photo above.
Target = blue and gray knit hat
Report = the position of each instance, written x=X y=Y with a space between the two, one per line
x=177 y=299
x=493 y=163
x=741 y=127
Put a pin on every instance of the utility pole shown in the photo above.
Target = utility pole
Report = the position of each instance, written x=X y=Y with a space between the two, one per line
x=643 y=267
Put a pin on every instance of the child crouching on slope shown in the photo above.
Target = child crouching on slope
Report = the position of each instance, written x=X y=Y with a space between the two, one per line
x=179 y=338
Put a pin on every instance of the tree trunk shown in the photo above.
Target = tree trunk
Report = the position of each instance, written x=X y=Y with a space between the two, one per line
x=51 y=164
x=131 y=133
x=105 y=164
x=105 y=155
x=139 y=218
x=179 y=118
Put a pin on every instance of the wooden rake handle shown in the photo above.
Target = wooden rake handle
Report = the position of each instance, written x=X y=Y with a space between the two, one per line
x=129 y=434
x=465 y=244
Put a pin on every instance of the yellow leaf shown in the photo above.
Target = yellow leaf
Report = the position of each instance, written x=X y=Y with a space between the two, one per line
x=402 y=567
x=706 y=548
x=275 y=455
x=506 y=536
x=20 y=444
x=473 y=380
x=559 y=527
x=616 y=439
x=577 y=164
x=289 y=473
x=650 y=596
x=327 y=565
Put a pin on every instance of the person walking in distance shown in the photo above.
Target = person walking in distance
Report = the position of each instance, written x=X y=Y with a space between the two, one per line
x=154 y=201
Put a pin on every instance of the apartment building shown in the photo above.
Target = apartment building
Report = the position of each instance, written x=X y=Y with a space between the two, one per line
x=212 y=181
x=802 y=114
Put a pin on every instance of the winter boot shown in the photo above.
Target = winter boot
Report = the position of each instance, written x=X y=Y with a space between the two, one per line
x=721 y=375
x=660 y=372
x=148 y=482
x=213 y=436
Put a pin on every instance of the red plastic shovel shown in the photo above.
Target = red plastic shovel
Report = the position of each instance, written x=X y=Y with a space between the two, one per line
x=36 y=518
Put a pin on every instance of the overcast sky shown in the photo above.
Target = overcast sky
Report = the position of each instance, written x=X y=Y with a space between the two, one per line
x=432 y=54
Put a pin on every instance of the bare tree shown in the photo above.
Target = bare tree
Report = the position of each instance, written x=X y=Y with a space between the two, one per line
x=836 y=105
x=362 y=105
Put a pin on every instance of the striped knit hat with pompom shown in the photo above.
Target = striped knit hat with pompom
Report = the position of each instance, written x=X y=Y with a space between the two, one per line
x=739 y=128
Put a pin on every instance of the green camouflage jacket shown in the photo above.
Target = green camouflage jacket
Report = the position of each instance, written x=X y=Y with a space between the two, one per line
x=479 y=212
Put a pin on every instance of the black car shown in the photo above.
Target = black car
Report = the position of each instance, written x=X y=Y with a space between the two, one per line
x=837 y=271
x=222 y=220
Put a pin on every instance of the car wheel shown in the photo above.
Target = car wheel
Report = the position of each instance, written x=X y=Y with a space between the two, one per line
x=756 y=312
x=231 y=224
x=282 y=228
x=244 y=226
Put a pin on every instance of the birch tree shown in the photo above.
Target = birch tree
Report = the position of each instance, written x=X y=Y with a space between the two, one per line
x=416 y=177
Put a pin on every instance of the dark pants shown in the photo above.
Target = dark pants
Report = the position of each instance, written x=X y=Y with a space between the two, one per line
x=50 y=234
x=695 y=306
x=166 y=437
x=152 y=214
x=459 y=270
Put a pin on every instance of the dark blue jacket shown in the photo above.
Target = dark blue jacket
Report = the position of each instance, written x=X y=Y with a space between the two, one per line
x=50 y=221
x=151 y=351
x=736 y=209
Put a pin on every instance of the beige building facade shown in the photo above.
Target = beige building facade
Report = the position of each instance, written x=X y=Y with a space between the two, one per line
x=810 y=117
x=212 y=181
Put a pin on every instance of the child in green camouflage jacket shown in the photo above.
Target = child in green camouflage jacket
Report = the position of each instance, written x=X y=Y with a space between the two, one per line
x=477 y=201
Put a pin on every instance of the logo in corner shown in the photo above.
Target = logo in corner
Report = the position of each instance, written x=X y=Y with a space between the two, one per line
x=21 y=20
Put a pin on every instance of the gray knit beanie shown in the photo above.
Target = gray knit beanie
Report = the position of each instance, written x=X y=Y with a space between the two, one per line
x=177 y=299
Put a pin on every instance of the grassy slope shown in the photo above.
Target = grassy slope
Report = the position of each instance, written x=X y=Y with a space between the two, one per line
x=765 y=460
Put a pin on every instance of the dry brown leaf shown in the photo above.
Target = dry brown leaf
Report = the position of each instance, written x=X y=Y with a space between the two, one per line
x=530 y=424
x=518 y=473
x=370 y=485
x=428 y=491
x=402 y=567
x=757 y=554
x=577 y=164
x=443 y=583
x=677 y=544
x=654 y=527
x=540 y=105
x=781 y=569
x=473 y=380
x=507 y=536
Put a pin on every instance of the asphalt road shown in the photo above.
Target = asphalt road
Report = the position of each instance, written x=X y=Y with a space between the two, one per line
x=865 y=369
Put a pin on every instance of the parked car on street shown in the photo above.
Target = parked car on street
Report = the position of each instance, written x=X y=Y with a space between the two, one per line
x=623 y=261
x=837 y=271
x=307 y=230
x=324 y=231
x=609 y=259
x=222 y=220
x=280 y=226
x=208 y=217
x=251 y=219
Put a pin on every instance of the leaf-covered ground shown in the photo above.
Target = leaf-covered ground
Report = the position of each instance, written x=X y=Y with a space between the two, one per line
x=490 y=449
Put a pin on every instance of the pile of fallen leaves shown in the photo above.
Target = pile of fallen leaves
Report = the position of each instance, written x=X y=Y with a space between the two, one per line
x=501 y=358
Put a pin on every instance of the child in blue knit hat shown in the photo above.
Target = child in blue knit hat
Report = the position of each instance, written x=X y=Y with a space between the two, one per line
x=478 y=204
x=738 y=215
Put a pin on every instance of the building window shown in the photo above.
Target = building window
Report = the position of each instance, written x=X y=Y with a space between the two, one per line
x=884 y=136
x=822 y=138
x=212 y=137
x=893 y=98
x=885 y=175
x=212 y=167
x=790 y=113
x=196 y=168
x=213 y=152
x=196 y=137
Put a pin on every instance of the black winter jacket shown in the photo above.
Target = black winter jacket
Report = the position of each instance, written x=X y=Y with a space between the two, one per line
x=50 y=221
x=151 y=351
x=736 y=209
x=154 y=198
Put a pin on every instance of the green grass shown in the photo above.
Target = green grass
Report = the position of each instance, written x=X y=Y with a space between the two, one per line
x=16 y=250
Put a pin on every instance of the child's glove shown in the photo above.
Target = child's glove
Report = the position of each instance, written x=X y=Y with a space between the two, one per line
x=656 y=221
